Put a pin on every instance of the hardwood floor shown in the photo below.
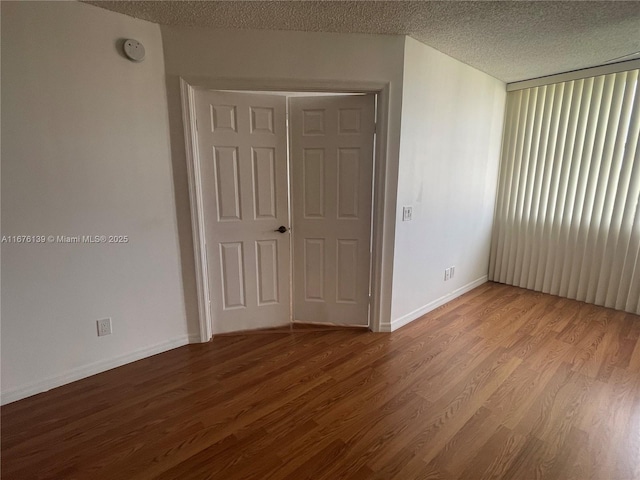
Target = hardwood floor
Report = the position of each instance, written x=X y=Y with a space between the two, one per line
x=500 y=383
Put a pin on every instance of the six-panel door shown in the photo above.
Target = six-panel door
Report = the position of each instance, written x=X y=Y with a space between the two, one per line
x=331 y=182
x=242 y=143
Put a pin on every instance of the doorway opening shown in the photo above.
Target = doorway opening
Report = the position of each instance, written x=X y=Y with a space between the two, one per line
x=283 y=197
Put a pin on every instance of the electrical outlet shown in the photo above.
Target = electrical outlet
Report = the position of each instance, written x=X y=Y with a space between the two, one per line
x=407 y=214
x=447 y=274
x=452 y=270
x=104 y=327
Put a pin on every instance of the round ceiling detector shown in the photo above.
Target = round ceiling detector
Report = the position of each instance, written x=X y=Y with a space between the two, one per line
x=134 y=50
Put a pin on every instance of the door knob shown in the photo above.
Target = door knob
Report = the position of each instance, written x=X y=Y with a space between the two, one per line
x=282 y=229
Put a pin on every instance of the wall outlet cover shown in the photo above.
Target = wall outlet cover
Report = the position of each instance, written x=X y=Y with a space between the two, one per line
x=104 y=327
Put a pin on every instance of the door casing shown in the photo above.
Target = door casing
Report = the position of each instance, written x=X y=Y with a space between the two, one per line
x=380 y=279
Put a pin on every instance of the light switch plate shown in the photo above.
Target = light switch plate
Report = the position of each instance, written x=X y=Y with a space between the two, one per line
x=407 y=214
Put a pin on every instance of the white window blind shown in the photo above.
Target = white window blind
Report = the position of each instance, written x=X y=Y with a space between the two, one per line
x=567 y=218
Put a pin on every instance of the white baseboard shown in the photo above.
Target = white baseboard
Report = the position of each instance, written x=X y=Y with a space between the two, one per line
x=411 y=316
x=93 y=368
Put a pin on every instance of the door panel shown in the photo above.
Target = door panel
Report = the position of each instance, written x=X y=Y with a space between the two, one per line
x=346 y=279
x=268 y=271
x=264 y=182
x=242 y=143
x=348 y=173
x=314 y=269
x=227 y=185
x=313 y=183
x=332 y=174
x=232 y=273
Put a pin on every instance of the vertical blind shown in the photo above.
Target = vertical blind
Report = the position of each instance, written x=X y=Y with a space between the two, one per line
x=567 y=218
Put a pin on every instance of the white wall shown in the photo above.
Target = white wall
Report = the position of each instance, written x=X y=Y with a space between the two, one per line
x=85 y=151
x=228 y=59
x=452 y=117
x=89 y=148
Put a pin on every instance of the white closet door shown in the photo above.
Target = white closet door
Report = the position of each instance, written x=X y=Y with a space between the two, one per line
x=242 y=142
x=332 y=174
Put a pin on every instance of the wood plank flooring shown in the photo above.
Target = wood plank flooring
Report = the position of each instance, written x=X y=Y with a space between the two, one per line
x=500 y=383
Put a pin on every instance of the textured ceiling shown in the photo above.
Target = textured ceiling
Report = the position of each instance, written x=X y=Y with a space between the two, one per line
x=512 y=41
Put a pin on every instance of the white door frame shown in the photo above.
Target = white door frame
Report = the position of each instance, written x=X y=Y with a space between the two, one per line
x=189 y=85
